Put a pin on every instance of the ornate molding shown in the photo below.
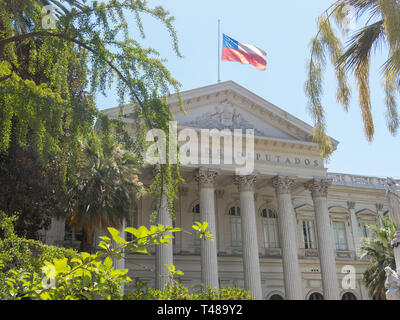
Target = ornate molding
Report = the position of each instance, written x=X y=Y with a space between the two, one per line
x=357 y=181
x=396 y=240
x=283 y=184
x=318 y=187
x=351 y=205
x=206 y=177
x=219 y=193
x=245 y=183
x=379 y=207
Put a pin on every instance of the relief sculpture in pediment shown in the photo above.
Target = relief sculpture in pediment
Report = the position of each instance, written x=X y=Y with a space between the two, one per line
x=223 y=118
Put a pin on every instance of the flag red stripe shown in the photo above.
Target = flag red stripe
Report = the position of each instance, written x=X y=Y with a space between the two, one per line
x=244 y=57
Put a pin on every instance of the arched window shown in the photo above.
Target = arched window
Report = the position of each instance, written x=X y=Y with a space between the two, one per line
x=270 y=228
x=276 y=297
x=316 y=296
x=196 y=218
x=349 y=296
x=236 y=227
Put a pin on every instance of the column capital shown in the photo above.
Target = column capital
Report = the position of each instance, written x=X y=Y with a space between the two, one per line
x=205 y=177
x=351 y=205
x=318 y=187
x=283 y=184
x=245 y=183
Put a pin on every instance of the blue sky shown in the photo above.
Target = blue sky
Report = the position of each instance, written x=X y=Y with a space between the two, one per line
x=283 y=29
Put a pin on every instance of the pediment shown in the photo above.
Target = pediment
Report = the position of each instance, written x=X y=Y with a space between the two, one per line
x=228 y=115
x=227 y=105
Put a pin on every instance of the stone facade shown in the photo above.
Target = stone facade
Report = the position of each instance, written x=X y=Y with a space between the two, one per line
x=290 y=229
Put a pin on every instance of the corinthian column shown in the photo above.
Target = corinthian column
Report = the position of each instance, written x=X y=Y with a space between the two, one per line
x=287 y=231
x=251 y=263
x=209 y=259
x=164 y=253
x=326 y=246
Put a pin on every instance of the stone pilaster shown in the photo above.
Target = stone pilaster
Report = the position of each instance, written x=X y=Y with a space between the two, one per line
x=209 y=258
x=354 y=226
x=251 y=263
x=379 y=211
x=287 y=231
x=326 y=245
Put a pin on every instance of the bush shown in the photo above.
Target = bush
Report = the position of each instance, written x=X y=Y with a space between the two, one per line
x=177 y=291
x=31 y=270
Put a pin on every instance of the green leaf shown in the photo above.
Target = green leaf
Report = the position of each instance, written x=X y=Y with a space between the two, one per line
x=108 y=262
x=115 y=235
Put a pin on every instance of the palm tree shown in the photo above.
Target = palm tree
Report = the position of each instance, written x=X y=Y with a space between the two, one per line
x=379 y=251
x=104 y=190
x=382 y=29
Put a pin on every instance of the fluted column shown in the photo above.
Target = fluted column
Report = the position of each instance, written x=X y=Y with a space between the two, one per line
x=326 y=245
x=208 y=248
x=287 y=231
x=164 y=253
x=251 y=263
x=354 y=226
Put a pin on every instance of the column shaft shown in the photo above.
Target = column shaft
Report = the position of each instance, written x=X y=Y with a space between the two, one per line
x=326 y=245
x=164 y=253
x=251 y=263
x=208 y=248
x=287 y=231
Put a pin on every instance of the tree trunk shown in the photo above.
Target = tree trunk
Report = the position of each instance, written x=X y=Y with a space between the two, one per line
x=87 y=240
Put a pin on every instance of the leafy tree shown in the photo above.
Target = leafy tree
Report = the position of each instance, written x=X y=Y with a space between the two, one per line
x=382 y=29
x=28 y=188
x=50 y=77
x=105 y=188
x=379 y=251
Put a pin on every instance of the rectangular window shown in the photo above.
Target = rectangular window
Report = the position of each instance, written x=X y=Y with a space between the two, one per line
x=339 y=231
x=236 y=231
x=270 y=228
x=366 y=230
x=308 y=234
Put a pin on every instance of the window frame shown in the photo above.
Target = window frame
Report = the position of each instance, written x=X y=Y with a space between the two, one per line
x=235 y=221
x=340 y=246
x=269 y=222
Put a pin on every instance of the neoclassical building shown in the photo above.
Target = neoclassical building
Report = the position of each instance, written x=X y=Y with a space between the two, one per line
x=290 y=229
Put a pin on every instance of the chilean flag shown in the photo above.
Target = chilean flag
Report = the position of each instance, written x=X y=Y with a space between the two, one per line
x=247 y=54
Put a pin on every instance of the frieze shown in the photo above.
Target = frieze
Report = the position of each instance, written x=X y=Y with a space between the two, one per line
x=357 y=181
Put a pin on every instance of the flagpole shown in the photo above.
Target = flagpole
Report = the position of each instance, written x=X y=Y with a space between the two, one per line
x=219 y=49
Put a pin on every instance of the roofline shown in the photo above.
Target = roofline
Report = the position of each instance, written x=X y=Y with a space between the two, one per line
x=231 y=85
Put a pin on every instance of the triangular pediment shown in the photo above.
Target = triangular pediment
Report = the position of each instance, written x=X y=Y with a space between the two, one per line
x=228 y=105
x=228 y=115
